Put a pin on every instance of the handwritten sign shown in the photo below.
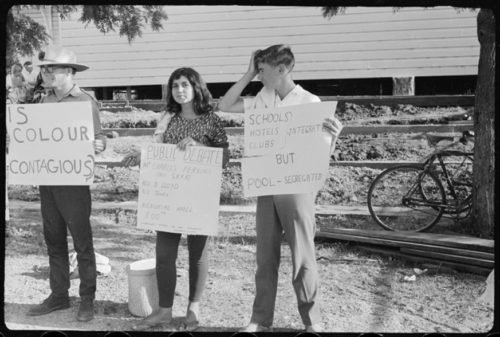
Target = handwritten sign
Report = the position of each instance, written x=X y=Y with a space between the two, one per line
x=286 y=149
x=50 y=144
x=179 y=191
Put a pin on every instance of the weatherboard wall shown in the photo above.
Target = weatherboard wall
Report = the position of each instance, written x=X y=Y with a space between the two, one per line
x=364 y=42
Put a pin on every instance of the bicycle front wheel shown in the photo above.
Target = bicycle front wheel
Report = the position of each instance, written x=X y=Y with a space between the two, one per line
x=406 y=198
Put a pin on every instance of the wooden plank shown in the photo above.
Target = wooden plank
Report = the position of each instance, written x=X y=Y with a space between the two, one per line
x=108 y=163
x=380 y=165
x=488 y=256
x=116 y=52
x=416 y=128
x=348 y=130
x=124 y=132
x=450 y=257
x=423 y=100
x=150 y=68
x=117 y=108
x=455 y=241
x=422 y=260
x=389 y=100
x=339 y=209
x=243 y=35
x=357 y=210
x=355 y=238
x=419 y=56
x=392 y=244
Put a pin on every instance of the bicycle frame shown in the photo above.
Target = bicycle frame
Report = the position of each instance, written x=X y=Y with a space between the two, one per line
x=457 y=206
x=411 y=198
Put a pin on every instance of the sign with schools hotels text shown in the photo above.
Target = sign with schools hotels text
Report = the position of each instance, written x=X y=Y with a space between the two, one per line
x=50 y=144
x=286 y=149
x=179 y=191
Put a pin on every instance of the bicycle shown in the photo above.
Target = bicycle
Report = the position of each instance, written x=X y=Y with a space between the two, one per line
x=414 y=197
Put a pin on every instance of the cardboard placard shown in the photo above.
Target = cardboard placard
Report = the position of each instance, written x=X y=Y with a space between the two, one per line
x=286 y=149
x=179 y=191
x=50 y=144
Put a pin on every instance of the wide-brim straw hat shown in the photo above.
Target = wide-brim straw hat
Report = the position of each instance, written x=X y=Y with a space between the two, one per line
x=59 y=56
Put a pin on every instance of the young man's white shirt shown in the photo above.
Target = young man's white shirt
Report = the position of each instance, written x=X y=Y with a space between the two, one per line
x=270 y=99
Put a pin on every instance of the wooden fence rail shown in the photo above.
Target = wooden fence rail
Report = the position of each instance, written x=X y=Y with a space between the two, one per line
x=348 y=130
x=423 y=101
x=358 y=130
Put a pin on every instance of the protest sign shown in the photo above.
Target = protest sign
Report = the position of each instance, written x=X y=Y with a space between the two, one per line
x=179 y=191
x=286 y=149
x=50 y=144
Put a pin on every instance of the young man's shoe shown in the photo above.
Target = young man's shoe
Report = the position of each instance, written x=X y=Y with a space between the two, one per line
x=255 y=327
x=86 y=310
x=51 y=303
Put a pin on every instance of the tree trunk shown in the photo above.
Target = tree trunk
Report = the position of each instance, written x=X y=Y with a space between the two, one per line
x=484 y=127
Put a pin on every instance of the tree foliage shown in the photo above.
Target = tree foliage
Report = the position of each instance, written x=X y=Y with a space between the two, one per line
x=25 y=36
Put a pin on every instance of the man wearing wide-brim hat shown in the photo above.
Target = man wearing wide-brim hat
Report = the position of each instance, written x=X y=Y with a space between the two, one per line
x=68 y=207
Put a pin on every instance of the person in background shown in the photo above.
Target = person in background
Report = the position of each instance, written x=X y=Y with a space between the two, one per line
x=292 y=214
x=39 y=91
x=18 y=90
x=30 y=75
x=190 y=121
x=68 y=207
x=8 y=79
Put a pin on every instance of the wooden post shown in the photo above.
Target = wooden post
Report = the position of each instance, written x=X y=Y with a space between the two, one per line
x=129 y=94
x=403 y=86
x=105 y=93
x=164 y=90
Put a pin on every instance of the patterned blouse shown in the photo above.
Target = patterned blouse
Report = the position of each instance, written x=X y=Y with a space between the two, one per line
x=206 y=129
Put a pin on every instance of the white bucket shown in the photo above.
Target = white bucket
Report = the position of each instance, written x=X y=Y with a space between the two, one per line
x=142 y=287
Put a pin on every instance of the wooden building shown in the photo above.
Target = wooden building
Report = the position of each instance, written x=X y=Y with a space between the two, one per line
x=364 y=43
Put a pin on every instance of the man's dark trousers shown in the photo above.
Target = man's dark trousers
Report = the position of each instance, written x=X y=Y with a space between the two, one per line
x=68 y=207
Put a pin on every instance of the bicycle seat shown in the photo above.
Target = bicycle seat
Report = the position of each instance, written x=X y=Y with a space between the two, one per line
x=433 y=140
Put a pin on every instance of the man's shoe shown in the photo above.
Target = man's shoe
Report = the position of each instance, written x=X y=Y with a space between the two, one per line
x=51 y=303
x=255 y=327
x=86 y=310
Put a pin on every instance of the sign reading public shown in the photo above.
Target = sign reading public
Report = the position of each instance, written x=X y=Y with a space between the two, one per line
x=179 y=191
x=286 y=149
x=50 y=144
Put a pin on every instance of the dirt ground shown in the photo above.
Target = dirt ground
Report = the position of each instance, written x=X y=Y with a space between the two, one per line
x=360 y=291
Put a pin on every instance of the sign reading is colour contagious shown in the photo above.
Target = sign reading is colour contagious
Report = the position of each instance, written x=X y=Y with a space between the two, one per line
x=50 y=144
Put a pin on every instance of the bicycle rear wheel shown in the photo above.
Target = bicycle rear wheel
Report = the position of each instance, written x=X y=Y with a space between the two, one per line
x=405 y=198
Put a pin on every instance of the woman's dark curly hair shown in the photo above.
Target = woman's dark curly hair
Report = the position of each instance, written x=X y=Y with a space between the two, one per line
x=202 y=100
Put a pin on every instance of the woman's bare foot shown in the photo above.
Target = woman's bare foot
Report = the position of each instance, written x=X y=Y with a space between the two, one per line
x=192 y=314
x=162 y=316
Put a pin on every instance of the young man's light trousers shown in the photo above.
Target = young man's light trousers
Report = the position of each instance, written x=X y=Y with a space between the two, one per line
x=293 y=214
